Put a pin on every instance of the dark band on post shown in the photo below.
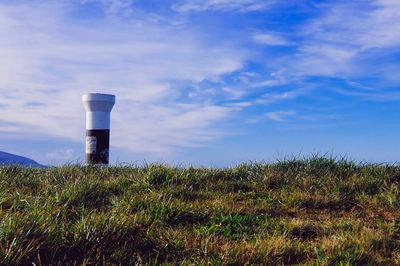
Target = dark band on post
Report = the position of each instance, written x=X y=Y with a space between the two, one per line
x=97 y=146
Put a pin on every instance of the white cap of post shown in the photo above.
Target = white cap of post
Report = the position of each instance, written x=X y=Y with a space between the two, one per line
x=98 y=110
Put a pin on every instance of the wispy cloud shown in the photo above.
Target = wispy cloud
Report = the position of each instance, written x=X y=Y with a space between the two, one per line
x=51 y=60
x=280 y=116
x=348 y=41
x=349 y=33
x=115 y=8
x=181 y=73
x=275 y=97
x=364 y=25
x=271 y=39
x=61 y=155
x=222 y=5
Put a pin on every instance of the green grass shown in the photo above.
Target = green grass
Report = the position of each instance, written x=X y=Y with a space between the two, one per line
x=316 y=211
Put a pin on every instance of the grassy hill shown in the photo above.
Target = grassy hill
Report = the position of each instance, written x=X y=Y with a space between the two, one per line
x=311 y=211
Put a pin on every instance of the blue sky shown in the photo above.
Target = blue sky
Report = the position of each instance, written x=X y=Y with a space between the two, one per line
x=202 y=82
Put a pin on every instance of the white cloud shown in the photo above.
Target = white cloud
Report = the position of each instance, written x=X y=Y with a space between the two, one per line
x=364 y=25
x=372 y=95
x=274 y=97
x=275 y=79
x=114 y=8
x=61 y=155
x=234 y=94
x=346 y=33
x=163 y=129
x=348 y=40
x=279 y=116
x=222 y=5
x=271 y=39
x=49 y=59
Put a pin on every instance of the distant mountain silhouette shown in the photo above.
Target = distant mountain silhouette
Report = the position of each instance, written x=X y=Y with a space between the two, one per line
x=12 y=159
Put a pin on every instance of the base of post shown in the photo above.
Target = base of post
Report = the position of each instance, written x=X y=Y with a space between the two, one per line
x=97 y=146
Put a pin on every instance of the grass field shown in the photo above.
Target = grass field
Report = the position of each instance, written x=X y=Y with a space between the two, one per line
x=316 y=211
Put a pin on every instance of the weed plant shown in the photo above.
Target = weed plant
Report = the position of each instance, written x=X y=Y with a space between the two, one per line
x=312 y=211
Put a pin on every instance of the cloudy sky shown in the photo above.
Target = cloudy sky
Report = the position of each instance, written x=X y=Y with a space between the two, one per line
x=203 y=82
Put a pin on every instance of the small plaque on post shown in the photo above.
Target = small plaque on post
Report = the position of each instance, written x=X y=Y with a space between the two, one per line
x=91 y=143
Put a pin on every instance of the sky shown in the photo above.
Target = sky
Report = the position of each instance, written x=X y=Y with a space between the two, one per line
x=202 y=82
